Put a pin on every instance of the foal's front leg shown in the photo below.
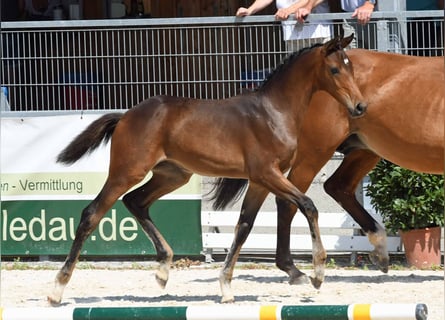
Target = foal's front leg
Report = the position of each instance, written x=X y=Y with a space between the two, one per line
x=285 y=190
x=318 y=252
x=253 y=200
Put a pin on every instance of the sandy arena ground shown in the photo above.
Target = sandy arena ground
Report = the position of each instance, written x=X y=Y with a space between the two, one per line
x=252 y=284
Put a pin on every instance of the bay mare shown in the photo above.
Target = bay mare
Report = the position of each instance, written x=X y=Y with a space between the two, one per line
x=252 y=136
x=404 y=124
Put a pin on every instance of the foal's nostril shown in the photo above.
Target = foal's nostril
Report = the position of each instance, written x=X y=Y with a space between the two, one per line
x=361 y=108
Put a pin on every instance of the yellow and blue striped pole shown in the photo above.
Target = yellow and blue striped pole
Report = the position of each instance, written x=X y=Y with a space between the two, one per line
x=225 y=312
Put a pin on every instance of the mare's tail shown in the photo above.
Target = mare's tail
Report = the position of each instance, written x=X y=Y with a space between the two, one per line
x=226 y=191
x=97 y=132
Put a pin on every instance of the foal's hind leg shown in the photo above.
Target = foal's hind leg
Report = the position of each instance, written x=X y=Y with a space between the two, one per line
x=252 y=202
x=90 y=218
x=166 y=177
x=342 y=185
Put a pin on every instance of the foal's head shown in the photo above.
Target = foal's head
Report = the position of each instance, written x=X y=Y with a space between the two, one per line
x=336 y=75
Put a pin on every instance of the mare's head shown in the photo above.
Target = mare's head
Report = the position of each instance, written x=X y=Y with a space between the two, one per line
x=336 y=75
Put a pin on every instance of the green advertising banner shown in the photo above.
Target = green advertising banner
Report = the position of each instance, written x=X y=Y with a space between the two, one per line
x=42 y=201
x=48 y=228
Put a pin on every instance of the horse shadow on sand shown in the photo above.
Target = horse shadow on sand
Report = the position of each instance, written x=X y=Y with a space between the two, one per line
x=252 y=298
x=349 y=278
x=166 y=298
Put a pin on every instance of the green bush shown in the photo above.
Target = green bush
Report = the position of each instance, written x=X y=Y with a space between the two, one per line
x=406 y=199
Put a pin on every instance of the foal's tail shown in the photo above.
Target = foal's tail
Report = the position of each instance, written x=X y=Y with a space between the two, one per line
x=97 y=132
x=226 y=191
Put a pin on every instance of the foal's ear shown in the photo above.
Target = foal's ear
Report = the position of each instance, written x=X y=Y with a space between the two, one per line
x=346 y=41
x=332 y=45
x=338 y=43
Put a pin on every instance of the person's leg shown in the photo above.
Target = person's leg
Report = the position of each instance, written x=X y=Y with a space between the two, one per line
x=292 y=46
x=366 y=36
x=296 y=45
x=348 y=29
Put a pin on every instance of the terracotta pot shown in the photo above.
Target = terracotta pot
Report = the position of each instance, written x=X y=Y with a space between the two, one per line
x=422 y=247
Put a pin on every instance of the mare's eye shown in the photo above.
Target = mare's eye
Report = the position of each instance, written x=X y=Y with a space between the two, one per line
x=334 y=70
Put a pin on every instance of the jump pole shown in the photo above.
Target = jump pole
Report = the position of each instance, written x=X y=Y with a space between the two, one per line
x=225 y=312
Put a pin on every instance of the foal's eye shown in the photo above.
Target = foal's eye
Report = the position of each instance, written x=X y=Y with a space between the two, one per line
x=334 y=70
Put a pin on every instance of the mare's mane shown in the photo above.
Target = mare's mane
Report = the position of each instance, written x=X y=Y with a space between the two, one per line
x=285 y=63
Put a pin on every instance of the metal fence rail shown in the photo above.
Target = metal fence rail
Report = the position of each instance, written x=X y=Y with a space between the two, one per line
x=114 y=64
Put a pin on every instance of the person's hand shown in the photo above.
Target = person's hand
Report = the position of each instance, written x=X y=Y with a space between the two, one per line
x=282 y=14
x=242 y=12
x=301 y=14
x=363 y=13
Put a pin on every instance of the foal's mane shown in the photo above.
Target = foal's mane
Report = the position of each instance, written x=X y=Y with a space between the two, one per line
x=289 y=60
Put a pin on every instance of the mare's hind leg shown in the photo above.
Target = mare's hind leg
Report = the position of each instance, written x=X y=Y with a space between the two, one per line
x=166 y=177
x=90 y=218
x=342 y=185
x=276 y=183
x=252 y=202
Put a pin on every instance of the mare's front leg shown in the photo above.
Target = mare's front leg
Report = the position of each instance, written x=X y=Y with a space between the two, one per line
x=90 y=218
x=342 y=185
x=283 y=259
x=166 y=178
x=253 y=200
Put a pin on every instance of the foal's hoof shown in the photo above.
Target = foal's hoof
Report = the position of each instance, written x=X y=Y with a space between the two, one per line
x=299 y=280
x=162 y=282
x=382 y=262
x=316 y=282
x=229 y=299
x=53 y=301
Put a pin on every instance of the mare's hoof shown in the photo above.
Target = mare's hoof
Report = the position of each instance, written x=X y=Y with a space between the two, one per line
x=299 y=280
x=381 y=262
x=316 y=282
